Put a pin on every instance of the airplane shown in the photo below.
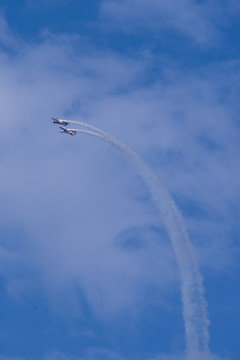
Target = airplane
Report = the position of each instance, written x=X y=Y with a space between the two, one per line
x=68 y=131
x=58 y=121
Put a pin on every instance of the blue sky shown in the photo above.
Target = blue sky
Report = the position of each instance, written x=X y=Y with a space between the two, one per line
x=87 y=271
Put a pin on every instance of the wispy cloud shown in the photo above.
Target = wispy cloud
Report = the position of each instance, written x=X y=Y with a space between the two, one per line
x=7 y=37
x=163 y=123
x=200 y=21
x=107 y=354
x=76 y=232
x=188 y=17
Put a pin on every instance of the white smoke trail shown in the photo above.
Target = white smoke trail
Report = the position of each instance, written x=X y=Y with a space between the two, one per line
x=192 y=290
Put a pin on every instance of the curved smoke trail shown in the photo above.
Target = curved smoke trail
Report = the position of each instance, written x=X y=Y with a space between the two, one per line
x=192 y=290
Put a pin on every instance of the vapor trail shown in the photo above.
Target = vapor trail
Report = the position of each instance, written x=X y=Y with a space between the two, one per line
x=192 y=290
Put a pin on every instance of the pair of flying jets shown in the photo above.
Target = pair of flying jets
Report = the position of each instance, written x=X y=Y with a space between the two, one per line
x=63 y=129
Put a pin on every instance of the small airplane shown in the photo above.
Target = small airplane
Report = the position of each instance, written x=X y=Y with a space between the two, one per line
x=58 y=121
x=68 y=131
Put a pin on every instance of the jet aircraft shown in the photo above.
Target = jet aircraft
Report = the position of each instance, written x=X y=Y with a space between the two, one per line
x=68 y=131
x=58 y=121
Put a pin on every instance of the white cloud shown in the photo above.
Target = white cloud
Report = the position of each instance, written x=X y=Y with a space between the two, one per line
x=201 y=21
x=77 y=200
x=209 y=356
x=7 y=37
x=54 y=83
x=176 y=123
x=188 y=17
x=92 y=354
x=106 y=354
